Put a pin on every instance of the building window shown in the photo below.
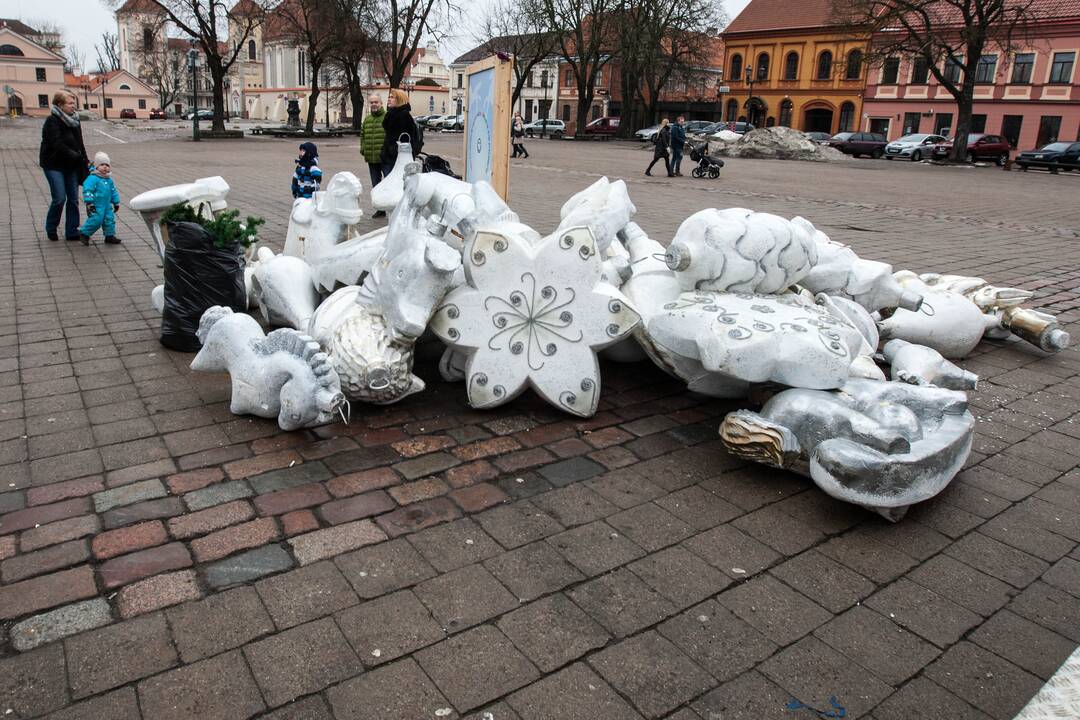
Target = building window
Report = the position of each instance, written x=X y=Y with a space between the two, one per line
x=124 y=86
x=1010 y=128
x=595 y=112
x=1023 y=64
x=736 y=68
x=824 y=66
x=302 y=72
x=430 y=70
x=251 y=50
x=43 y=101
x=1062 y=67
x=108 y=103
x=566 y=113
x=952 y=69
x=847 y=117
x=763 y=66
x=569 y=77
x=787 y=108
x=543 y=78
x=986 y=70
x=911 y=122
x=890 y=71
x=460 y=78
x=40 y=72
x=854 y=65
x=1049 y=127
x=10 y=50
x=943 y=123
x=920 y=71
x=732 y=110
x=529 y=80
x=978 y=124
x=791 y=68
x=142 y=104
x=147 y=40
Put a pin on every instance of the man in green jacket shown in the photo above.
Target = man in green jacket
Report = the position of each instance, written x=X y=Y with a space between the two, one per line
x=371 y=142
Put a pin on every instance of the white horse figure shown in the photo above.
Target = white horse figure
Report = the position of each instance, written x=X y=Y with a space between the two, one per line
x=324 y=220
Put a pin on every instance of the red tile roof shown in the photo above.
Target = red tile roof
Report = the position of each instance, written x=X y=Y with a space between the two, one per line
x=762 y=15
x=139 y=6
x=19 y=27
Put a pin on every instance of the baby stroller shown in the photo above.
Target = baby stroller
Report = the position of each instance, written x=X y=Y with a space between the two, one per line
x=706 y=164
x=434 y=163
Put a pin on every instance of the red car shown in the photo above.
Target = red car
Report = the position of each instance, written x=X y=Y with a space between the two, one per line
x=157 y=114
x=980 y=147
x=127 y=114
x=603 y=126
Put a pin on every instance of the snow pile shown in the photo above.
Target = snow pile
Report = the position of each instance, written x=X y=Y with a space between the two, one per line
x=726 y=136
x=779 y=143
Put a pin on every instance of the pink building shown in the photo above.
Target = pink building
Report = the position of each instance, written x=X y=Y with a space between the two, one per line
x=1031 y=96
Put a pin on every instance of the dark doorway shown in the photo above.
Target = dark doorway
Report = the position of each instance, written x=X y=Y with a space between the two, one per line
x=978 y=123
x=911 y=122
x=15 y=105
x=1010 y=129
x=756 y=108
x=880 y=126
x=818 y=120
x=1049 y=127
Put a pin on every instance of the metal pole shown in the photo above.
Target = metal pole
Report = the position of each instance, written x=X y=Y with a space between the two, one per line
x=194 y=56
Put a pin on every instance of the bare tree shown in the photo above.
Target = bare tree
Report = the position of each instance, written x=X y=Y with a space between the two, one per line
x=74 y=58
x=108 y=53
x=310 y=25
x=517 y=28
x=949 y=36
x=396 y=27
x=348 y=55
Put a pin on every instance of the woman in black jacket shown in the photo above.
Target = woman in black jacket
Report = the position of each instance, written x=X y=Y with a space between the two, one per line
x=660 y=148
x=398 y=122
x=63 y=158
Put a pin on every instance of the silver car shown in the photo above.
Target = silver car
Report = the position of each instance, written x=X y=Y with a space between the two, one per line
x=914 y=147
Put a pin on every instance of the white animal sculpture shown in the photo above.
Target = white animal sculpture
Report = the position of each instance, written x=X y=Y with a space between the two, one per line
x=742 y=251
x=882 y=445
x=863 y=365
x=282 y=287
x=919 y=365
x=283 y=374
x=841 y=273
x=388 y=193
x=947 y=322
x=604 y=207
x=205 y=195
x=320 y=222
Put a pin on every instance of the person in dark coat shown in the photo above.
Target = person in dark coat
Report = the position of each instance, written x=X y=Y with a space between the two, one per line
x=517 y=130
x=398 y=121
x=660 y=149
x=63 y=158
x=678 y=142
x=307 y=177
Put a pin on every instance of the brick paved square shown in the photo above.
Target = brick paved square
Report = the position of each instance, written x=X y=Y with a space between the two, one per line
x=716 y=639
x=115 y=655
x=937 y=619
x=732 y=552
x=453 y=545
x=533 y=570
x=28 y=682
x=220 y=622
x=518 y=523
x=386 y=628
x=117 y=705
x=574 y=692
x=220 y=688
x=595 y=548
x=993 y=685
x=465 y=597
x=553 y=631
x=301 y=660
x=382 y=568
x=306 y=594
x=574 y=505
x=878 y=644
x=396 y=692
x=621 y=602
x=679 y=575
x=1024 y=643
x=914 y=697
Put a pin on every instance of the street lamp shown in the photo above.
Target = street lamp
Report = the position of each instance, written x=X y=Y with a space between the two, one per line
x=104 y=101
x=193 y=65
x=545 y=78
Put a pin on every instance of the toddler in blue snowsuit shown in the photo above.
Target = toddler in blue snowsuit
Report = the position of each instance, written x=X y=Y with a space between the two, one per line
x=308 y=176
x=102 y=201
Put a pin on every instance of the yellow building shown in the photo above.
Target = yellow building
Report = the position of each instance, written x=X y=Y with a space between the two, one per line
x=786 y=66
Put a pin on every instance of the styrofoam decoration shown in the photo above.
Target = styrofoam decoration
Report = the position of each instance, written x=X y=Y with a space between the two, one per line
x=604 y=207
x=205 y=194
x=281 y=286
x=157 y=299
x=882 y=445
x=319 y=223
x=946 y=321
x=919 y=365
x=533 y=315
x=284 y=374
x=742 y=251
x=863 y=365
x=373 y=368
x=388 y=193
x=841 y=273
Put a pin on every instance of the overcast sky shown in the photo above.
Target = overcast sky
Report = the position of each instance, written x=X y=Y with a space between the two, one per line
x=84 y=21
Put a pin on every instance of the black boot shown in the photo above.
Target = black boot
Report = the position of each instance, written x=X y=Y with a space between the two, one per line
x=112 y=240
x=52 y=235
x=84 y=239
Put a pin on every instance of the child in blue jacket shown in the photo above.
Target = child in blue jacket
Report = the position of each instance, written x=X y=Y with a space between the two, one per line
x=308 y=176
x=102 y=201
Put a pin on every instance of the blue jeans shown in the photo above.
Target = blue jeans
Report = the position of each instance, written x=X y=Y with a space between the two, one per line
x=375 y=170
x=64 y=186
x=676 y=159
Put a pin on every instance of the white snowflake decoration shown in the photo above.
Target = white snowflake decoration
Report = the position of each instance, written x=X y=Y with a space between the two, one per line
x=533 y=315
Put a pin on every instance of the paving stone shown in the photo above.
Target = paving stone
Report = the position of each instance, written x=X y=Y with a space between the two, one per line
x=247 y=566
x=732 y=552
x=624 y=488
x=454 y=544
x=533 y=570
x=783 y=533
x=962 y=584
x=699 y=507
x=229 y=540
x=595 y=548
x=383 y=568
x=47 y=591
x=43 y=561
x=1017 y=528
x=129 y=494
x=298 y=521
x=476 y=667
x=157 y=592
x=1052 y=608
x=498 y=711
x=118 y=705
x=220 y=622
x=935 y=618
x=919 y=694
x=28 y=682
x=321 y=544
x=570 y=471
x=139 y=512
x=305 y=594
x=679 y=575
x=220 y=688
x=115 y=655
x=426 y=465
x=573 y=692
x=111 y=543
x=779 y=612
x=751 y=696
x=878 y=644
x=1023 y=643
x=396 y=692
x=479 y=497
x=418 y=516
x=386 y=628
x=1065 y=575
x=652 y=672
x=301 y=660
x=470 y=474
x=418 y=491
x=716 y=639
x=826 y=582
x=43 y=514
x=312 y=707
x=552 y=631
x=518 y=524
x=997 y=559
x=812 y=672
x=144 y=563
x=525 y=485
x=356 y=507
x=361 y=482
x=60 y=623
x=211 y=519
x=363 y=458
x=294 y=498
x=58 y=532
x=186 y=482
x=465 y=597
x=217 y=494
x=993 y=685
x=621 y=602
x=651 y=527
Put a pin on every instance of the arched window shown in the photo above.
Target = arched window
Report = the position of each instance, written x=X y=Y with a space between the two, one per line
x=10 y=50
x=763 y=66
x=854 y=65
x=824 y=66
x=736 y=68
x=124 y=86
x=251 y=49
x=786 y=110
x=847 y=117
x=732 y=110
x=566 y=113
x=791 y=67
x=148 y=39
x=543 y=78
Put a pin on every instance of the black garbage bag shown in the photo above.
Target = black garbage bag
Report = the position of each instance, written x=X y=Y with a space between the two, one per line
x=198 y=275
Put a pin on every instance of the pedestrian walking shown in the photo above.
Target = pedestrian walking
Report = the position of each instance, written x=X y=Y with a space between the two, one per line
x=660 y=148
x=102 y=202
x=372 y=136
x=307 y=177
x=63 y=158
x=517 y=130
x=678 y=142
x=398 y=123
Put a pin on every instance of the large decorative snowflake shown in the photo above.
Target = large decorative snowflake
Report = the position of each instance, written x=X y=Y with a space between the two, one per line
x=533 y=315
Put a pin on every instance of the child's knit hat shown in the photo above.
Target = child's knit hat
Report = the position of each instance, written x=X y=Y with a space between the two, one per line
x=101 y=158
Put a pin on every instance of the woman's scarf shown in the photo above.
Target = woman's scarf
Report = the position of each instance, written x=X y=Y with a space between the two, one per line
x=72 y=121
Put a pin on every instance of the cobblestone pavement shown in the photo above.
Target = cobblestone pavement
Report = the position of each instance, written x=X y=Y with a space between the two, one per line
x=162 y=558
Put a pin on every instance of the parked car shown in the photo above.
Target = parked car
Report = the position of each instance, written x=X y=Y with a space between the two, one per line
x=821 y=138
x=550 y=128
x=127 y=114
x=456 y=122
x=858 y=144
x=979 y=147
x=603 y=126
x=914 y=147
x=706 y=129
x=203 y=115
x=696 y=126
x=739 y=128
x=157 y=114
x=647 y=133
x=1057 y=155
x=429 y=120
